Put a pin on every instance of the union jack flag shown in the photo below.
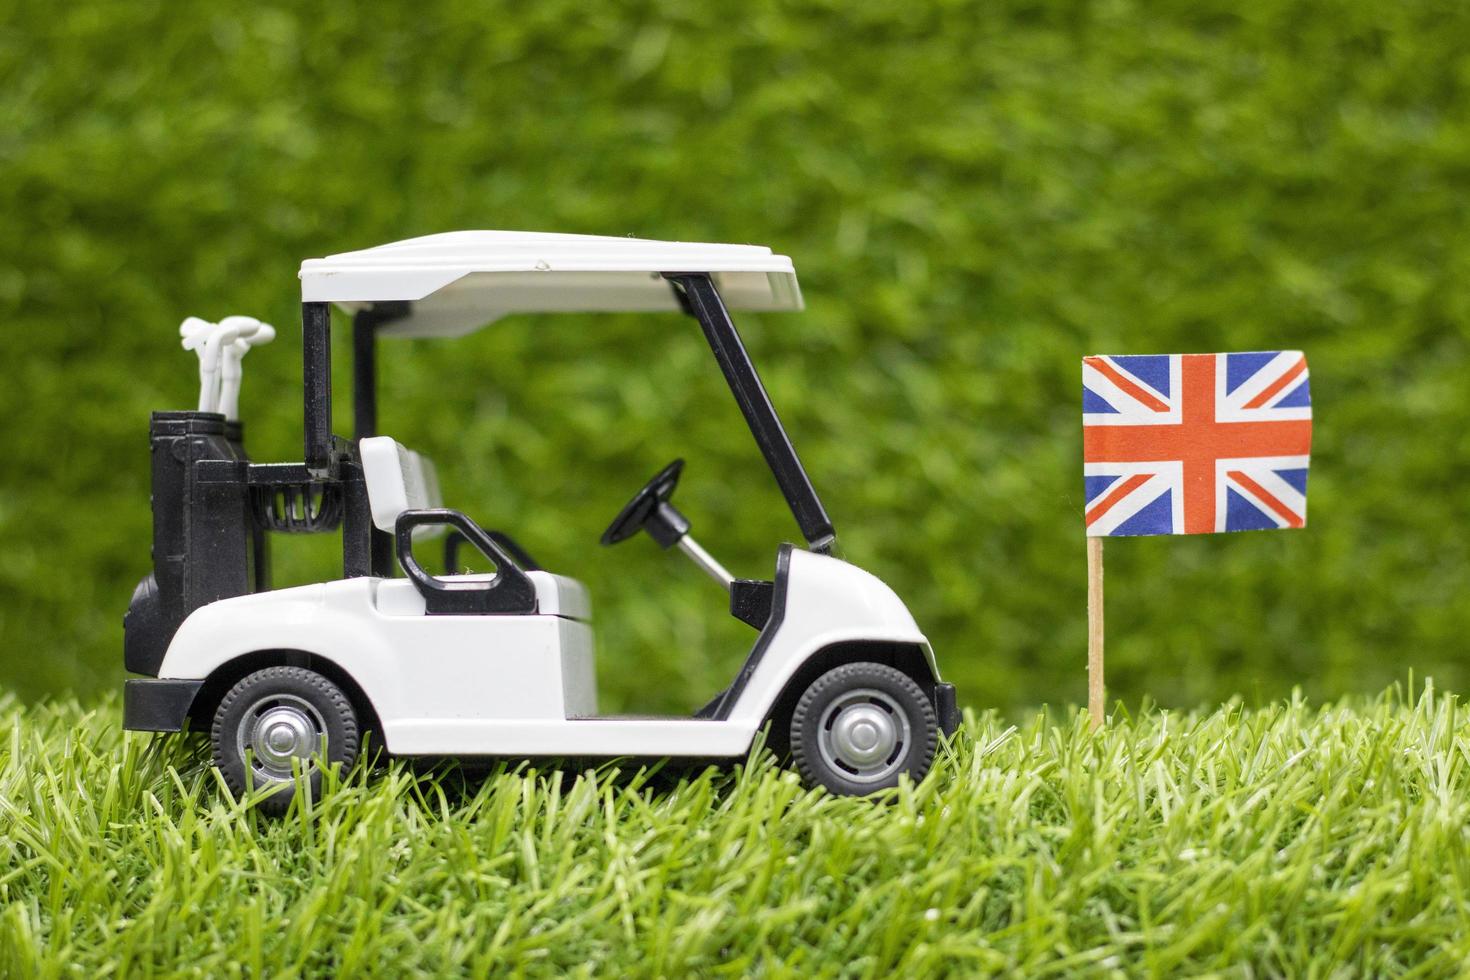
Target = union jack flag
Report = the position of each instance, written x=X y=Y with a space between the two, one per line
x=1195 y=443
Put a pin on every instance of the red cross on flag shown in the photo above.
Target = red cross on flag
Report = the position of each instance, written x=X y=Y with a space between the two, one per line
x=1195 y=443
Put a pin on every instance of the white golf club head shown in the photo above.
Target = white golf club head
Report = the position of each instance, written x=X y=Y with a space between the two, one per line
x=220 y=347
x=248 y=332
x=196 y=332
x=220 y=338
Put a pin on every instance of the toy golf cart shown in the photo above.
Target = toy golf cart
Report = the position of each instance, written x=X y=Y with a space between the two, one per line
x=497 y=664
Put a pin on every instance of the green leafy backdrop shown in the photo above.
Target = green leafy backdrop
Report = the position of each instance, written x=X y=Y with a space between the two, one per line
x=975 y=194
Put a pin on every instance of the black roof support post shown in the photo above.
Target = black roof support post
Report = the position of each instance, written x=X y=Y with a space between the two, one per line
x=364 y=375
x=704 y=303
x=365 y=324
x=376 y=557
x=357 y=524
x=316 y=383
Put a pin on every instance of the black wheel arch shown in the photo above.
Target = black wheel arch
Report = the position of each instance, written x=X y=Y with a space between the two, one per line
x=231 y=672
x=910 y=658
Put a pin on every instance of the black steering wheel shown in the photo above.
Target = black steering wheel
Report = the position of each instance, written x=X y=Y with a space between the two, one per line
x=644 y=505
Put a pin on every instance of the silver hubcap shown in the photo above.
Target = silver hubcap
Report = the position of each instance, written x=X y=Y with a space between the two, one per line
x=278 y=729
x=864 y=735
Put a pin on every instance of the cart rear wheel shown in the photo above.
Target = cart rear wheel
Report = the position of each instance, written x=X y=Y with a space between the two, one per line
x=276 y=717
x=861 y=726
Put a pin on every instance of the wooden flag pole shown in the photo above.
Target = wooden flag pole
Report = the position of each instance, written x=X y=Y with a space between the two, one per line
x=1095 y=631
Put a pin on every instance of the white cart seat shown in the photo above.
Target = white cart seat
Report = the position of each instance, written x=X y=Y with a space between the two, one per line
x=398 y=479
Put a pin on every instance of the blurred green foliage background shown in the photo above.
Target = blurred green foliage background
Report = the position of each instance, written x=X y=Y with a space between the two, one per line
x=975 y=194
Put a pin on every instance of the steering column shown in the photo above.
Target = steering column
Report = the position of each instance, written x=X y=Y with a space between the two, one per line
x=651 y=510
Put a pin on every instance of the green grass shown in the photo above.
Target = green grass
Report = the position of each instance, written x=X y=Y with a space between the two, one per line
x=1291 y=839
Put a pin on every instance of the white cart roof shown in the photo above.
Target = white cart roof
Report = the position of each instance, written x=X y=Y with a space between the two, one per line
x=460 y=281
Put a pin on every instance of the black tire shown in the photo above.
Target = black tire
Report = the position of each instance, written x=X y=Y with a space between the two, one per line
x=295 y=707
x=861 y=726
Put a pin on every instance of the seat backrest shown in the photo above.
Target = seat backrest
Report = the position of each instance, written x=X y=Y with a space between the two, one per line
x=398 y=479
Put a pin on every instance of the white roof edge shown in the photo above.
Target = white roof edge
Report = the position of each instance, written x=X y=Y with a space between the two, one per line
x=459 y=281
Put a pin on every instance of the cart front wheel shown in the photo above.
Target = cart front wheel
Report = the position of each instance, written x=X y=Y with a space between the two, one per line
x=859 y=727
x=278 y=717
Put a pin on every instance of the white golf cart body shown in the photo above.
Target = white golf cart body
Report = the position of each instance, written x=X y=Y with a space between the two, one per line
x=524 y=684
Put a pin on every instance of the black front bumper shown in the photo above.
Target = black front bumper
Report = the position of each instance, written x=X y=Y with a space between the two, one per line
x=946 y=708
x=151 y=705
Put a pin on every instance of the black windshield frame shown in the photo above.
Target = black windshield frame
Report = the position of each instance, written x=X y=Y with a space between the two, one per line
x=701 y=300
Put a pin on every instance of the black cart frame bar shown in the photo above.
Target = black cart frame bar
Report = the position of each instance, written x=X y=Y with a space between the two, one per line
x=702 y=301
